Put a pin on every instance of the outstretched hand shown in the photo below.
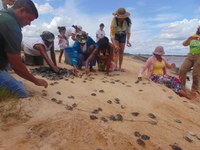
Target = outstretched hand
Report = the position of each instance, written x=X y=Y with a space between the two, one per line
x=41 y=82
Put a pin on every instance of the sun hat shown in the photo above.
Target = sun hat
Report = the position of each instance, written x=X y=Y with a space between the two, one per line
x=47 y=36
x=121 y=13
x=82 y=37
x=159 y=50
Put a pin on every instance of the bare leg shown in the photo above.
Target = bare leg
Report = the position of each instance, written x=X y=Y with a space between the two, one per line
x=116 y=54
x=60 y=56
x=121 y=54
x=185 y=67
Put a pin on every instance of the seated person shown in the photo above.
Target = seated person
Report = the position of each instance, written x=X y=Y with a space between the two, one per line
x=84 y=45
x=156 y=66
x=35 y=51
x=104 y=53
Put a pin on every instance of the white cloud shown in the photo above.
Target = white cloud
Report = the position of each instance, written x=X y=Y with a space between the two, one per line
x=45 y=8
x=171 y=37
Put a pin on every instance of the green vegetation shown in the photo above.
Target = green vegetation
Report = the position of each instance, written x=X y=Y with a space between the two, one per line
x=6 y=95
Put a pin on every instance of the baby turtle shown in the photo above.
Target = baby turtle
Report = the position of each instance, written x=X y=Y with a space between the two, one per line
x=117 y=117
x=128 y=86
x=101 y=91
x=178 y=121
x=69 y=107
x=145 y=137
x=59 y=102
x=52 y=84
x=117 y=100
x=122 y=106
x=100 y=109
x=135 y=114
x=140 y=142
x=104 y=119
x=137 y=134
x=58 y=92
x=176 y=147
x=93 y=117
x=70 y=97
x=109 y=102
x=170 y=97
x=54 y=99
x=188 y=138
x=152 y=122
x=74 y=105
x=93 y=94
x=44 y=94
x=151 y=115
x=95 y=111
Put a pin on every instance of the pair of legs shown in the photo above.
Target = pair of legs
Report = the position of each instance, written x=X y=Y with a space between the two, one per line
x=191 y=61
x=172 y=83
x=9 y=83
x=120 y=40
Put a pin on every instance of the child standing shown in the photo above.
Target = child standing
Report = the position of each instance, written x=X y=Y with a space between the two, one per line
x=62 y=41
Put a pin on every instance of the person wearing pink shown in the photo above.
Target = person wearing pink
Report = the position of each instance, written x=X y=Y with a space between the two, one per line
x=62 y=41
x=156 y=71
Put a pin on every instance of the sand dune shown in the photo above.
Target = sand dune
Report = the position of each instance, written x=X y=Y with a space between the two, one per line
x=99 y=112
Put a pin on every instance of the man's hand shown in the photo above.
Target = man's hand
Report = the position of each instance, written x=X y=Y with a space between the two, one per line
x=55 y=69
x=41 y=82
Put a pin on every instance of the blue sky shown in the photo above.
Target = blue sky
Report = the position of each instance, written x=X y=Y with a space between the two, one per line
x=154 y=22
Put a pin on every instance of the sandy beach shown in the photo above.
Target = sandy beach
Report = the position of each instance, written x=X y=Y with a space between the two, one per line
x=99 y=112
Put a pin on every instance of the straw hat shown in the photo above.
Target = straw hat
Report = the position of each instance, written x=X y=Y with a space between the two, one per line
x=159 y=50
x=121 y=13
x=82 y=37
x=47 y=36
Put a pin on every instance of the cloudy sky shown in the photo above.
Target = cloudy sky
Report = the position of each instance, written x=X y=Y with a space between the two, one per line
x=154 y=22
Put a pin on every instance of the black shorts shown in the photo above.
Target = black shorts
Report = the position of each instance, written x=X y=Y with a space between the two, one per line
x=120 y=37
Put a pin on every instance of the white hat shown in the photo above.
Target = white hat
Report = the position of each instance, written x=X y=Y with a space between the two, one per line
x=159 y=50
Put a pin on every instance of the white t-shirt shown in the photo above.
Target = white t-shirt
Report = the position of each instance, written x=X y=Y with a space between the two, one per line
x=29 y=44
x=100 y=33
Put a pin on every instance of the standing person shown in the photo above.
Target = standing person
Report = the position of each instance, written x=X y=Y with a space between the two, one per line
x=100 y=33
x=11 y=21
x=120 y=32
x=192 y=60
x=62 y=41
x=84 y=46
x=7 y=3
x=104 y=53
x=34 y=48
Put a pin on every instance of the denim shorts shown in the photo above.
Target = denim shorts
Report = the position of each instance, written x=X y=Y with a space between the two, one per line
x=9 y=83
x=121 y=37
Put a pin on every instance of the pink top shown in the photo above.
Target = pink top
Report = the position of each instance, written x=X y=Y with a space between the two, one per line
x=149 y=64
